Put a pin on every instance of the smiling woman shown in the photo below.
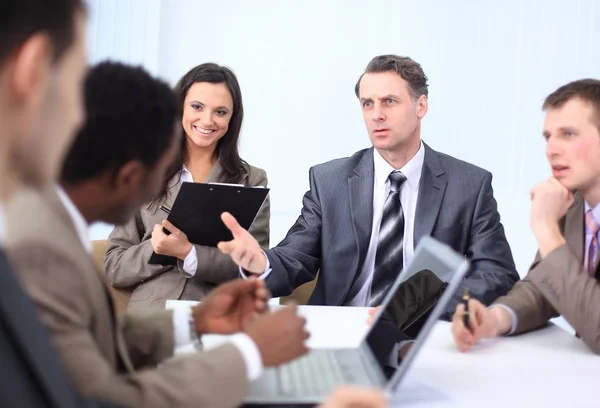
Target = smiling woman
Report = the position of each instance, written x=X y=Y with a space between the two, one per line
x=207 y=111
x=211 y=118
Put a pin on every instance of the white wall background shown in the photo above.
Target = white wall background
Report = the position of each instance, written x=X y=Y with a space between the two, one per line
x=490 y=65
x=126 y=30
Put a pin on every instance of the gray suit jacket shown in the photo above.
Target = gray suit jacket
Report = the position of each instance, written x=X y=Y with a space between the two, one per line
x=455 y=205
x=559 y=285
x=105 y=357
x=129 y=249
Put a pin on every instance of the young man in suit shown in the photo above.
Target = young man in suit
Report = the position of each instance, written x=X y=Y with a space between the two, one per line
x=364 y=215
x=118 y=162
x=42 y=65
x=565 y=215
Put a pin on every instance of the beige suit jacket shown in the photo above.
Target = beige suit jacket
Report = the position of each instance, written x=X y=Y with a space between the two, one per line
x=129 y=249
x=559 y=285
x=106 y=358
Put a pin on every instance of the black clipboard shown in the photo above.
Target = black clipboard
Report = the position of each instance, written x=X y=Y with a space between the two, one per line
x=197 y=212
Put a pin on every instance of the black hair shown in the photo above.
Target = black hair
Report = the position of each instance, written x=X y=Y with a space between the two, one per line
x=130 y=116
x=234 y=168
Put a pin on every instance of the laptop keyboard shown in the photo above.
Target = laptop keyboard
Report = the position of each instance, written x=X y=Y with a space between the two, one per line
x=320 y=371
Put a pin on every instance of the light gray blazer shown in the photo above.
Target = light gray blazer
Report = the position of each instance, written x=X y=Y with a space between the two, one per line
x=129 y=249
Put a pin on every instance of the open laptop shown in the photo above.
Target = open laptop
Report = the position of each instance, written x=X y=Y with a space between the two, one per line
x=311 y=378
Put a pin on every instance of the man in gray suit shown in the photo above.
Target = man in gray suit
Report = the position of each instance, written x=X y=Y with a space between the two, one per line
x=364 y=215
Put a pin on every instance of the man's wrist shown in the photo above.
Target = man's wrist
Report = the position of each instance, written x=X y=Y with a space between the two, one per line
x=263 y=274
x=199 y=320
x=265 y=262
x=548 y=236
x=250 y=273
x=262 y=267
x=503 y=321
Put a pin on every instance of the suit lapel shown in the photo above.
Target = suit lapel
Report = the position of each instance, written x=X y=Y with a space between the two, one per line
x=360 y=195
x=175 y=184
x=216 y=174
x=432 y=187
x=574 y=230
x=75 y=244
x=360 y=198
x=51 y=197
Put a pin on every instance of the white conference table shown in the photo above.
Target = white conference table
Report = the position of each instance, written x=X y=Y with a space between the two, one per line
x=330 y=327
x=545 y=368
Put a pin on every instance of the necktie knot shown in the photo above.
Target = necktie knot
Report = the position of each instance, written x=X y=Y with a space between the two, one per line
x=396 y=179
x=591 y=222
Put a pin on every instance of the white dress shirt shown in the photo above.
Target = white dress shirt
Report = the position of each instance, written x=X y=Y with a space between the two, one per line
x=181 y=316
x=81 y=225
x=408 y=198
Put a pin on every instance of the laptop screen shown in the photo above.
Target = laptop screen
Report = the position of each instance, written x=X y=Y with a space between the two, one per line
x=410 y=302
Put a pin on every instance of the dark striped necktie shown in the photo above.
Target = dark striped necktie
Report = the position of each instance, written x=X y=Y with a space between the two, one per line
x=389 y=258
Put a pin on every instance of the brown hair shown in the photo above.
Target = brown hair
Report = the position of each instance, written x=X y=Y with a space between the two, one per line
x=234 y=168
x=588 y=90
x=408 y=70
x=21 y=19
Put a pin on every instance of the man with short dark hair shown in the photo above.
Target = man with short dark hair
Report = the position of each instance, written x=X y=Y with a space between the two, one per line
x=42 y=66
x=118 y=162
x=364 y=215
x=565 y=219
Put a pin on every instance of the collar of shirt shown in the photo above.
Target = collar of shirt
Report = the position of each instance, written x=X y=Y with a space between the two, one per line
x=81 y=225
x=412 y=170
x=186 y=176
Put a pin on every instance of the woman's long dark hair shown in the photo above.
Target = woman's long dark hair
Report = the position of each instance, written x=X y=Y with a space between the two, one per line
x=227 y=147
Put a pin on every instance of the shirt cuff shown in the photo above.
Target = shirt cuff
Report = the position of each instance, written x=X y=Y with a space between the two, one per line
x=396 y=351
x=250 y=353
x=263 y=276
x=393 y=359
x=190 y=264
x=181 y=326
x=513 y=317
